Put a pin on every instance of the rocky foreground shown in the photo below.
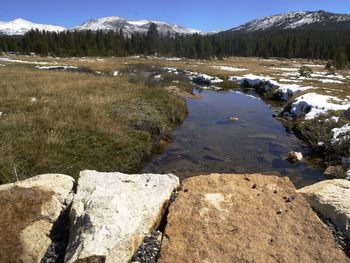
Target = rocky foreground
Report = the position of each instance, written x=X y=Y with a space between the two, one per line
x=213 y=218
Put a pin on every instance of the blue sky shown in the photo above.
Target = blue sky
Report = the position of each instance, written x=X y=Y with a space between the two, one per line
x=206 y=15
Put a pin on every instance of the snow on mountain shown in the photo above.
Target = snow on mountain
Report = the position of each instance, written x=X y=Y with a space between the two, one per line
x=292 y=20
x=20 y=27
x=116 y=23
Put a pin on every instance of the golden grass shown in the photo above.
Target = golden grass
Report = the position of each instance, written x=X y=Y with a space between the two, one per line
x=86 y=121
x=63 y=122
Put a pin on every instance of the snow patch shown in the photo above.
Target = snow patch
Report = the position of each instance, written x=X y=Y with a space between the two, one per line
x=254 y=80
x=22 y=61
x=289 y=90
x=286 y=69
x=56 y=67
x=291 y=80
x=330 y=81
x=283 y=91
x=158 y=77
x=226 y=68
x=341 y=134
x=204 y=79
x=316 y=104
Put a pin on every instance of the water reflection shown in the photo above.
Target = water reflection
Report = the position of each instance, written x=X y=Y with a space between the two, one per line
x=208 y=142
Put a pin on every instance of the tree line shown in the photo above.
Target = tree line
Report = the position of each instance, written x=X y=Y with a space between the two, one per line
x=297 y=43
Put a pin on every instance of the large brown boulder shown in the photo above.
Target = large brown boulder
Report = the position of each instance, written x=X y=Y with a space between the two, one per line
x=28 y=210
x=245 y=218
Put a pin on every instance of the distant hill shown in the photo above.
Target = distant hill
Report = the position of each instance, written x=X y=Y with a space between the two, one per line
x=20 y=26
x=311 y=35
x=296 y=20
x=129 y=27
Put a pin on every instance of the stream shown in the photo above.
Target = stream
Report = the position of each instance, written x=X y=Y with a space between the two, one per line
x=208 y=142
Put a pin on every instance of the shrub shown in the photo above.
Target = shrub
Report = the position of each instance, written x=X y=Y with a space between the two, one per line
x=305 y=71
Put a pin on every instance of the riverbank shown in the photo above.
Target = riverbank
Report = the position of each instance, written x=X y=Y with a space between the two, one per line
x=147 y=113
x=60 y=120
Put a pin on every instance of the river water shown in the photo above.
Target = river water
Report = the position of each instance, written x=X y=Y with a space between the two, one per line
x=208 y=142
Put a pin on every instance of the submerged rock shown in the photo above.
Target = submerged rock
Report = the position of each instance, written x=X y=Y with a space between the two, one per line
x=331 y=198
x=294 y=157
x=233 y=119
x=245 y=218
x=112 y=212
x=28 y=211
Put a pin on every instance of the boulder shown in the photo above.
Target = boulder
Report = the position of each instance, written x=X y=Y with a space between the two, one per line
x=245 y=218
x=346 y=115
x=28 y=211
x=294 y=157
x=112 y=212
x=331 y=198
x=335 y=172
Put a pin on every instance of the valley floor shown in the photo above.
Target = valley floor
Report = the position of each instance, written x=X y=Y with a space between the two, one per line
x=68 y=114
x=65 y=115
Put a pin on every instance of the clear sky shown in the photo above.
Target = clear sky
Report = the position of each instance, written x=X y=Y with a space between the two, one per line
x=205 y=15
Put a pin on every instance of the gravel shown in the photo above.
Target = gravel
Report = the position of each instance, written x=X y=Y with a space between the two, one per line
x=149 y=249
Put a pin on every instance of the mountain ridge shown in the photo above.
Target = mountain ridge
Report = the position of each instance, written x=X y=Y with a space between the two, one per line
x=284 y=21
x=292 y=20
x=21 y=26
x=117 y=23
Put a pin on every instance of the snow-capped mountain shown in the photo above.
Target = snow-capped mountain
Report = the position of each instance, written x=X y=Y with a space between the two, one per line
x=293 y=20
x=116 y=23
x=20 y=27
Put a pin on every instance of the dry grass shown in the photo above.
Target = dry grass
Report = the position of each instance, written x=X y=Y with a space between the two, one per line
x=63 y=122
x=86 y=121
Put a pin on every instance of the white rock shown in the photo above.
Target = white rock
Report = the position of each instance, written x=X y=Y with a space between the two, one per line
x=331 y=198
x=112 y=212
x=294 y=157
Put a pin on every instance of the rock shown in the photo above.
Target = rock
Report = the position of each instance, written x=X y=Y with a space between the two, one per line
x=233 y=119
x=28 y=211
x=334 y=172
x=294 y=157
x=112 y=212
x=331 y=198
x=346 y=115
x=220 y=218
